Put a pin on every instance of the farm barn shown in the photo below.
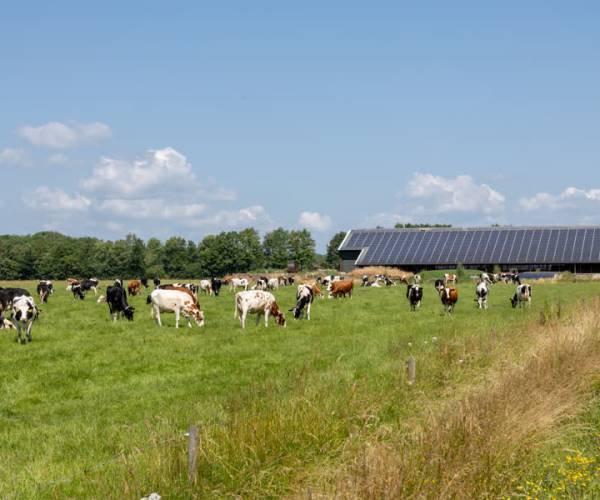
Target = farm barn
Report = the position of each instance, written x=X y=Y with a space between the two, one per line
x=565 y=248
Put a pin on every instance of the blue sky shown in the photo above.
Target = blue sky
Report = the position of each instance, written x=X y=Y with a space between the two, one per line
x=190 y=118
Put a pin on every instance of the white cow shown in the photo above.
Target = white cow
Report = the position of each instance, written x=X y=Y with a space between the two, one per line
x=273 y=284
x=481 y=294
x=24 y=313
x=206 y=287
x=178 y=302
x=522 y=295
x=236 y=283
x=257 y=302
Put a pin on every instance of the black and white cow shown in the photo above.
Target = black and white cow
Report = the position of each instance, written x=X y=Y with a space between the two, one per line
x=24 y=313
x=8 y=294
x=414 y=294
x=481 y=294
x=78 y=292
x=156 y=282
x=90 y=284
x=144 y=282
x=304 y=299
x=364 y=280
x=439 y=285
x=522 y=296
x=44 y=290
x=117 y=303
x=216 y=284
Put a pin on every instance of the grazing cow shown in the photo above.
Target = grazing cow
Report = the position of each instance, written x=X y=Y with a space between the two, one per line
x=261 y=284
x=190 y=286
x=272 y=284
x=156 y=282
x=8 y=294
x=48 y=283
x=522 y=295
x=450 y=278
x=259 y=303
x=304 y=298
x=24 y=313
x=44 y=290
x=144 y=282
x=117 y=303
x=449 y=298
x=71 y=282
x=78 y=292
x=92 y=284
x=216 y=284
x=180 y=302
x=134 y=287
x=206 y=287
x=341 y=288
x=236 y=283
x=516 y=279
x=481 y=294
x=414 y=294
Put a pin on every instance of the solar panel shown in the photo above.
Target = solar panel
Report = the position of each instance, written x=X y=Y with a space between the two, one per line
x=553 y=245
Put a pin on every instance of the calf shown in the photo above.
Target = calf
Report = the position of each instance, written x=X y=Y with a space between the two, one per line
x=117 y=303
x=341 y=288
x=449 y=298
x=414 y=294
x=522 y=295
x=24 y=313
x=259 y=303
x=134 y=287
x=44 y=290
x=304 y=298
x=180 y=302
x=481 y=294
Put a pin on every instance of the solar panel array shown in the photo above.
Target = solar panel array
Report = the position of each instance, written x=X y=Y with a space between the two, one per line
x=552 y=245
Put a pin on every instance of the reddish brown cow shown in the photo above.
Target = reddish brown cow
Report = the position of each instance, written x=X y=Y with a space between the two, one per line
x=134 y=287
x=449 y=297
x=341 y=288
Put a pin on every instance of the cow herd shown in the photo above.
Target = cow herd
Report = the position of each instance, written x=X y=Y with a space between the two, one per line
x=181 y=299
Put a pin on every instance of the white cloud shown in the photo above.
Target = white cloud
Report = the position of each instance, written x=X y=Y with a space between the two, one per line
x=12 y=156
x=151 y=208
x=315 y=220
x=571 y=198
x=162 y=168
x=254 y=215
x=387 y=219
x=459 y=194
x=44 y=198
x=57 y=135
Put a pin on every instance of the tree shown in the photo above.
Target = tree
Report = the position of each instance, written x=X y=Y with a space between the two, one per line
x=276 y=248
x=175 y=257
x=250 y=254
x=302 y=249
x=332 y=258
x=153 y=258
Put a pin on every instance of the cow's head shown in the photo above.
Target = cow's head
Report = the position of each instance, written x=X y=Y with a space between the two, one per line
x=128 y=312
x=198 y=315
x=278 y=314
x=514 y=300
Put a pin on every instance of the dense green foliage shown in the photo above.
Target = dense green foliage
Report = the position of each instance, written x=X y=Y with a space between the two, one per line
x=53 y=255
x=332 y=257
x=96 y=409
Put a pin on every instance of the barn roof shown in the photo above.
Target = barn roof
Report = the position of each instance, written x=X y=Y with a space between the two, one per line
x=481 y=245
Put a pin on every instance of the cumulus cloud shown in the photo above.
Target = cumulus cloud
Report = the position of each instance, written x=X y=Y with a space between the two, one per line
x=12 y=156
x=252 y=215
x=47 y=199
x=154 y=208
x=442 y=195
x=388 y=219
x=315 y=221
x=57 y=135
x=58 y=159
x=570 y=198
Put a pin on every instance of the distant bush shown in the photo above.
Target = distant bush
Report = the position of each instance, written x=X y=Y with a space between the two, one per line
x=460 y=271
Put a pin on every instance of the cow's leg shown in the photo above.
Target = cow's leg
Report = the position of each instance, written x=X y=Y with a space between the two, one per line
x=189 y=320
x=156 y=311
x=267 y=313
x=177 y=318
x=308 y=312
x=29 y=326
x=258 y=318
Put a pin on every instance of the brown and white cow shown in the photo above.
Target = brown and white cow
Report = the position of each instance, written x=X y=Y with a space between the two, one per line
x=450 y=278
x=180 y=302
x=341 y=288
x=257 y=302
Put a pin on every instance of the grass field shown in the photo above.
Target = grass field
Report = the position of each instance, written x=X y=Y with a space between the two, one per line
x=96 y=409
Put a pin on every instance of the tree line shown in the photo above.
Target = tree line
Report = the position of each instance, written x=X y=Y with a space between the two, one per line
x=53 y=255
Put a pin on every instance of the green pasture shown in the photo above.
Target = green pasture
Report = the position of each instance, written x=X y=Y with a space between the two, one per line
x=97 y=409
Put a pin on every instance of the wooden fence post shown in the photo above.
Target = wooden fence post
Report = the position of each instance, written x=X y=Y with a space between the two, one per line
x=192 y=453
x=411 y=370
